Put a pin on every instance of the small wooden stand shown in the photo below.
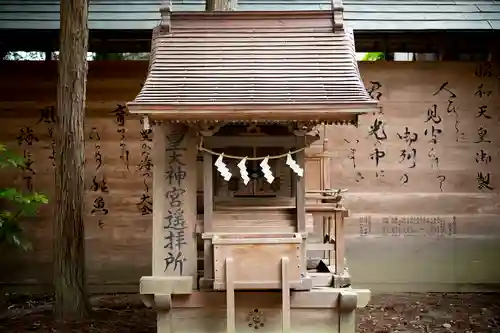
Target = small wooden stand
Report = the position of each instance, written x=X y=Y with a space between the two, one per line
x=248 y=261
x=256 y=259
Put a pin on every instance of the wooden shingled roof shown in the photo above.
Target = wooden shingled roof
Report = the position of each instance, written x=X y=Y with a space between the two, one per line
x=278 y=66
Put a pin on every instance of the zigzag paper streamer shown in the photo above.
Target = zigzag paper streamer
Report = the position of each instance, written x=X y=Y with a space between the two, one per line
x=266 y=169
x=222 y=168
x=294 y=166
x=243 y=171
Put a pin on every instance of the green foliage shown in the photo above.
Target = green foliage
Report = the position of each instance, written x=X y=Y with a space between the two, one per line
x=16 y=205
x=122 y=56
x=24 y=56
x=374 y=56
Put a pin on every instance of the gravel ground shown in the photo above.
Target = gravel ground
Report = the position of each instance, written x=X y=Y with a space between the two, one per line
x=395 y=313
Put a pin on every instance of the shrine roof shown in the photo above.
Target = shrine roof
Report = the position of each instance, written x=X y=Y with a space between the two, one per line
x=254 y=66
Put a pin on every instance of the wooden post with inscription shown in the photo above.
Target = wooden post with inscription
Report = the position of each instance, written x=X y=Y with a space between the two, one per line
x=250 y=116
x=174 y=219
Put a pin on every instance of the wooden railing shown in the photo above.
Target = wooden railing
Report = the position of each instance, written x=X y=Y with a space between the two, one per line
x=327 y=206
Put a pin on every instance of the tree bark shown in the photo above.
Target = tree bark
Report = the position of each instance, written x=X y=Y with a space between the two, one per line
x=220 y=5
x=69 y=242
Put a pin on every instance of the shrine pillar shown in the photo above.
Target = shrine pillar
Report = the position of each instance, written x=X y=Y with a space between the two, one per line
x=174 y=259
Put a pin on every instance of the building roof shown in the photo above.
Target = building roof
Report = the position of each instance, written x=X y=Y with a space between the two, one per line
x=254 y=66
x=361 y=15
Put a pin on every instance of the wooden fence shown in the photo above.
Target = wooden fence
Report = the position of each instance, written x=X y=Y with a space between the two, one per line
x=422 y=175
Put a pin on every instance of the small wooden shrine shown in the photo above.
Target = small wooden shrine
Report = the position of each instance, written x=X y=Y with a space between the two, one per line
x=245 y=92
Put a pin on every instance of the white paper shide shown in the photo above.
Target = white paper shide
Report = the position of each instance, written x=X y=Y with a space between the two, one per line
x=264 y=166
x=266 y=170
x=243 y=171
x=222 y=168
x=294 y=166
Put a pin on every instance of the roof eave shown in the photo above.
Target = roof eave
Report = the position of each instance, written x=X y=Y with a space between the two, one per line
x=338 y=112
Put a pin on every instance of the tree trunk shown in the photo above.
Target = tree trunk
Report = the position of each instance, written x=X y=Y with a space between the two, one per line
x=220 y=5
x=69 y=242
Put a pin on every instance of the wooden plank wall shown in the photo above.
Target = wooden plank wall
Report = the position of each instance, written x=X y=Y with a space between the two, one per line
x=421 y=219
x=427 y=216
